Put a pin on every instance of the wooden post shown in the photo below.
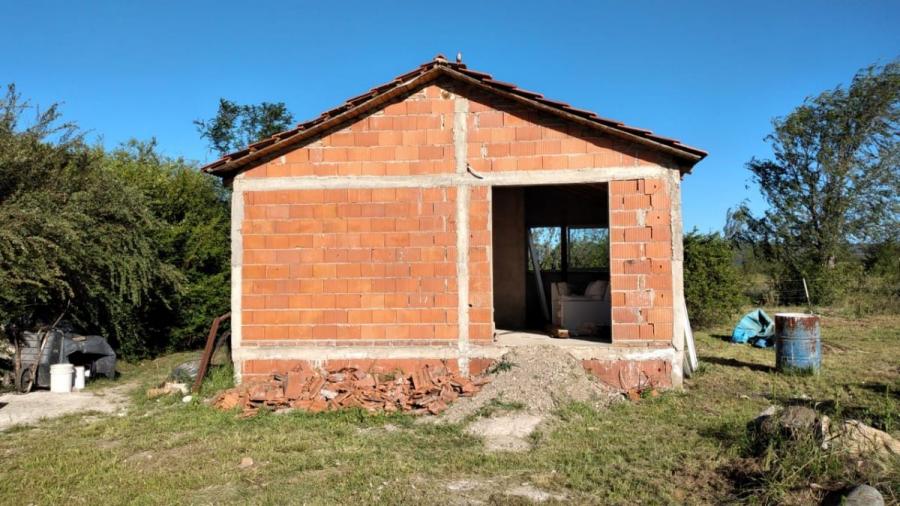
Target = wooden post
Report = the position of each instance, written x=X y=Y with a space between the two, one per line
x=208 y=351
x=806 y=291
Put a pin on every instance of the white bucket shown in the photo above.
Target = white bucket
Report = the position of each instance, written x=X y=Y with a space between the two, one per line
x=79 y=377
x=61 y=378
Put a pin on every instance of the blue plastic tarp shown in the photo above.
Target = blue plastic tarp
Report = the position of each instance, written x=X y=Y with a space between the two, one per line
x=755 y=327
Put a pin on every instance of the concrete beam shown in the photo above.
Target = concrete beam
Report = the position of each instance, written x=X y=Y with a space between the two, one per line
x=511 y=178
x=320 y=354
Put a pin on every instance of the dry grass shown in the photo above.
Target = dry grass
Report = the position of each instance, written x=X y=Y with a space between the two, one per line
x=683 y=447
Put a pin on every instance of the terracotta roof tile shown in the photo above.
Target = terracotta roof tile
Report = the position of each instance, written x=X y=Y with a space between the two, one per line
x=243 y=158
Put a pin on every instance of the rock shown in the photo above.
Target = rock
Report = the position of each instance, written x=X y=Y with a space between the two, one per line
x=187 y=398
x=824 y=431
x=858 y=438
x=793 y=422
x=798 y=420
x=185 y=372
x=770 y=411
x=864 y=495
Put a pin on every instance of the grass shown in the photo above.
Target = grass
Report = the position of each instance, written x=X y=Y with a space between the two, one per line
x=498 y=406
x=681 y=447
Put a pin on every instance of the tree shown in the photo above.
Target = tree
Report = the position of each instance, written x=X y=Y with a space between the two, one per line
x=192 y=237
x=236 y=126
x=73 y=235
x=712 y=284
x=132 y=245
x=833 y=179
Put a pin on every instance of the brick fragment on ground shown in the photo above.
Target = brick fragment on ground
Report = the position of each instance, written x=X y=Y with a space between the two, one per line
x=428 y=389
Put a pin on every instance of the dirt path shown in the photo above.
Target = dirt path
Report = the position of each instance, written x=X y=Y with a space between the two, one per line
x=33 y=407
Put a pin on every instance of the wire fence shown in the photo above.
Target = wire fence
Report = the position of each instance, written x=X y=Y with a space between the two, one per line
x=783 y=292
x=860 y=294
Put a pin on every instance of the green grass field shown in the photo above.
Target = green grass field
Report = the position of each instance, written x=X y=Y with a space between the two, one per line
x=681 y=447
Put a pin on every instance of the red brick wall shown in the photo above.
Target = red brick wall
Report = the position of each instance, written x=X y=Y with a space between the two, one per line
x=627 y=374
x=507 y=137
x=414 y=136
x=481 y=303
x=640 y=260
x=370 y=264
x=379 y=265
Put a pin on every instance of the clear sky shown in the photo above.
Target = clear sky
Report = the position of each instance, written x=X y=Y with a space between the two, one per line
x=712 y=74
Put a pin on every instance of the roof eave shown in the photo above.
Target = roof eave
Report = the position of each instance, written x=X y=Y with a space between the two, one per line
x=263 y=150
x=229 y=166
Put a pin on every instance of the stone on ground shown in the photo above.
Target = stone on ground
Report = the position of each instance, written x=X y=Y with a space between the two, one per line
x=864 y=495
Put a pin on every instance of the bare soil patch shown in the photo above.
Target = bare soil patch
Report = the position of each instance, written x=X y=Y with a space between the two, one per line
x=30 y=408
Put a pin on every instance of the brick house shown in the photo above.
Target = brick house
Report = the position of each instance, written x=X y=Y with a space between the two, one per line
x=395 y=230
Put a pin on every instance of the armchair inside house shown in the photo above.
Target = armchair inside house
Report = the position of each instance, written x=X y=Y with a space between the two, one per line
x=582 y=314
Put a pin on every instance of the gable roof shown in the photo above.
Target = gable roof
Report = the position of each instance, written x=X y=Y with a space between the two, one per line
x=362 y=104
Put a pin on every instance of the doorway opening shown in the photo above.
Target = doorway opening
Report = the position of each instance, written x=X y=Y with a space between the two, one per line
x=551 y=260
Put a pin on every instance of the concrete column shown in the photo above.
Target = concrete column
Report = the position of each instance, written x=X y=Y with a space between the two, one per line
x=237 y=260
x=460 y=151
x=680 y=318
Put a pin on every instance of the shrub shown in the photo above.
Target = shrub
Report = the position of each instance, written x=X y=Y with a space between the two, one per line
x=75 y=237
x=128 y=244
x=192 y=237
x=712 y=284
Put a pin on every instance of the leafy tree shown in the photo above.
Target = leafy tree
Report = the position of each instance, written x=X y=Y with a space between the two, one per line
x=712 y=283
x=235 y=126
x=833 y=180
x=588 y=248
x=882 y=267
x=193 y=237
x=133 y=245
x=72 y=231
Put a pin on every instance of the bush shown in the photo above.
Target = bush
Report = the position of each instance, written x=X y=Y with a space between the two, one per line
x=128 y=244
x=75 y=237
x=192 y=237
x=712 y=284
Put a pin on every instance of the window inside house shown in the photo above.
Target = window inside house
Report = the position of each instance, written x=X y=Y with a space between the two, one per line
x=547 y=243
x=588 y=249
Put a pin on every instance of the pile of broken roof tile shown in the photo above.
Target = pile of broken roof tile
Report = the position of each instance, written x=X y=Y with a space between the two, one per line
x=429 y=389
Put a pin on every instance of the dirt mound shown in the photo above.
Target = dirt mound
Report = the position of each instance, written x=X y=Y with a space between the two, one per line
x=537 y=380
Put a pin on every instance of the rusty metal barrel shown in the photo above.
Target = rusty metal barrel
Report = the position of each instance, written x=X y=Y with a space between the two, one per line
x=798 y=345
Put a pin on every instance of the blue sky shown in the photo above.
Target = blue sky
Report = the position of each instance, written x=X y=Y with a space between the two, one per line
x=712 y=74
